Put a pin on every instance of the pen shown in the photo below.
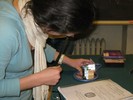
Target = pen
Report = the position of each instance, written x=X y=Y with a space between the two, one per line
x=62 y=51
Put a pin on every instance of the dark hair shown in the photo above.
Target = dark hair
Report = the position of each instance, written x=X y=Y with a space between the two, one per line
x=63 y=15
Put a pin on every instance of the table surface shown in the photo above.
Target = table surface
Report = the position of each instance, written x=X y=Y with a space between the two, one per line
x=119 y=74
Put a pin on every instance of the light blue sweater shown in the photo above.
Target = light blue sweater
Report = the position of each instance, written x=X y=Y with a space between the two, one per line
x=15 y=54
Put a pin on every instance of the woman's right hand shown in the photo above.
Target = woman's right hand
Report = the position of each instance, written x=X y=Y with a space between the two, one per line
x=48 y=76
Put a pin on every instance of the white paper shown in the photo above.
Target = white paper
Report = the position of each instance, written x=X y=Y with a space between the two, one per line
x=128 y=98
x=98 y=90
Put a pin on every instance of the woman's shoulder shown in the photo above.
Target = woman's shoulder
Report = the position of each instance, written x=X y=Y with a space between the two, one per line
x=5 y=2
x=9 y=35
x=7 y=26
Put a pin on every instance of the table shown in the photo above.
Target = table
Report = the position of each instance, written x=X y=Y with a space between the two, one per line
x=118 y=74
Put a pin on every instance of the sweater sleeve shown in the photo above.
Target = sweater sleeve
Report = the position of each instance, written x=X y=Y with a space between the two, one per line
x=8 y=47
x=9 y=87
x=50 y=52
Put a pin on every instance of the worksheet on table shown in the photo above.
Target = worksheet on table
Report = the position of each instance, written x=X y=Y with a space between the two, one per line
x=98 y=90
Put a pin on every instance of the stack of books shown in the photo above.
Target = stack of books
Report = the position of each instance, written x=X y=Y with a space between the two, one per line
x=113 y=56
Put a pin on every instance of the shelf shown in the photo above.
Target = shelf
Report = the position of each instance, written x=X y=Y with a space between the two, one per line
x=113 y=22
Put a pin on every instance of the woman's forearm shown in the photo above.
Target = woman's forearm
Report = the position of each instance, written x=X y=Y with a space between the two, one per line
x=29 y=82
x=48 y=76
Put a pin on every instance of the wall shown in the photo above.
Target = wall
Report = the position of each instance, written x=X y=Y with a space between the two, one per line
x=129 y=49
x=113 y=36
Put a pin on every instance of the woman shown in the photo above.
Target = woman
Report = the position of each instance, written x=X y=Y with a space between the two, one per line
x=25 y=26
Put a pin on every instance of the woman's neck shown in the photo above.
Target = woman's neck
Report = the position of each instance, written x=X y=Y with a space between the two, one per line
x=15 y=4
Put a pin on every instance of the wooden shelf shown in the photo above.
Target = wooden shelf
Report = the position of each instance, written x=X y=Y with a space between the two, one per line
x=113 y=22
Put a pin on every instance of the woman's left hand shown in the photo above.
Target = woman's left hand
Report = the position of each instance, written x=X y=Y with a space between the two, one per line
x=77 y=63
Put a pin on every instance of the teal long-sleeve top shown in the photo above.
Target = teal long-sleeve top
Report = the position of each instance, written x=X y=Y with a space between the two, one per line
x=15 y=54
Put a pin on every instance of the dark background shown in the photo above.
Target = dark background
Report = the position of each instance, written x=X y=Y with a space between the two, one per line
x=114 y=9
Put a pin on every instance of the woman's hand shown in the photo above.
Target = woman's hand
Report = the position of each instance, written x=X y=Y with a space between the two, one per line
x=48 y=76
x=77 y=63
x=51 y=75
